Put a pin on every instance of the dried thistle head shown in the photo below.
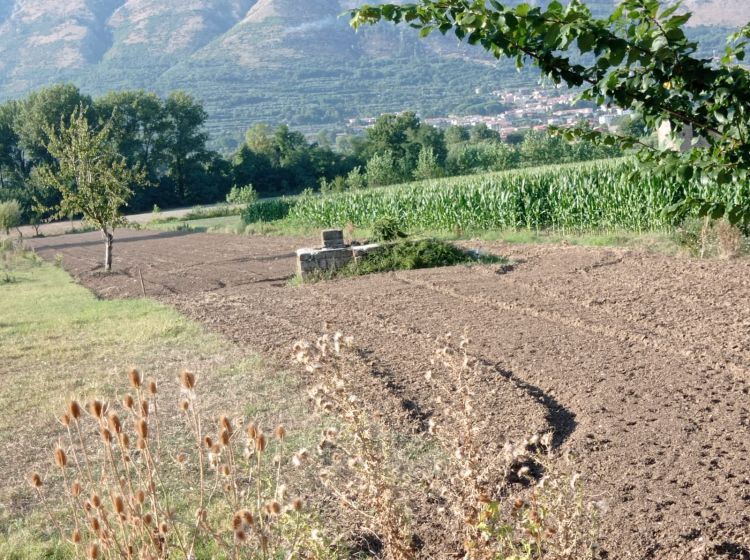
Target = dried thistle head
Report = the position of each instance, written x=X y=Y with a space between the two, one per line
x=75 y=489
x=260 y=442
x=152 y=387
x=296 y=504
x=247 y=517
x=140 y=497
x=35 y=480
x=184 y=405
x=251 y=431
x=61 y=459
x=135 y=378
x=95 y=408
x=187 y=380
x=75 y=537
x=144 y=408
x=65 y=420
x=225 y=424
x=95 y=500
x=93 y=552
x=106 y=435
x=224 y=438
x=118 y=504
x=280 y=432
x=273 y=508
x=114 y=423
x=128 y=402
x=142 y=428
x=74 y=409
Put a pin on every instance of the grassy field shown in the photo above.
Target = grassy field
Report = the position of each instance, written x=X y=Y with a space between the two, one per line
x=59 y=341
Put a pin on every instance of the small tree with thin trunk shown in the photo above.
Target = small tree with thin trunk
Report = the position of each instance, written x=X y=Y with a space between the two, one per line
x=91 y=175
x=10 y=215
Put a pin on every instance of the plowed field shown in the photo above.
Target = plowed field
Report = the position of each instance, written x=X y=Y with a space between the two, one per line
x=639 y=363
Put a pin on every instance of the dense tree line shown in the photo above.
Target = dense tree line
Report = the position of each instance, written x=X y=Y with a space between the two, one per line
x=164 y=140
x=400 y=148
x=162 y=137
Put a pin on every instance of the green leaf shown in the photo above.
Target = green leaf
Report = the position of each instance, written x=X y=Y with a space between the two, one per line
x=585 y=42
x=717 y=211
x=522 y=10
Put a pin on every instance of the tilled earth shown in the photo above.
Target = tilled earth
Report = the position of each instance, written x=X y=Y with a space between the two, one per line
x=638 y=362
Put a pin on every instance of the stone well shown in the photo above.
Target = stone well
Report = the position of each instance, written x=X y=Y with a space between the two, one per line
x=333 y=254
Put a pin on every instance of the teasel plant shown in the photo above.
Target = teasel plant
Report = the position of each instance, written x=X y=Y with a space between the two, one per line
x=507 y=501
x=513 y=502
x=356 y=462
x=127 y=496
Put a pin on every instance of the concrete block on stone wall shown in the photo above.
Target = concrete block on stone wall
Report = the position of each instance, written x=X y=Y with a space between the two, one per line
x=332 y=238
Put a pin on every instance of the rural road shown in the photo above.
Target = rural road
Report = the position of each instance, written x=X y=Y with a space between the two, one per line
x=61 y=227
x=638 y=362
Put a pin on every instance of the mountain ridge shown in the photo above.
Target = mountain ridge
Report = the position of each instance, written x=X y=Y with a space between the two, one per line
x=258 y=60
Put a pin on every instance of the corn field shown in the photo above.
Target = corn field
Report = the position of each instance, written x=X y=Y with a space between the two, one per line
x=604 y=195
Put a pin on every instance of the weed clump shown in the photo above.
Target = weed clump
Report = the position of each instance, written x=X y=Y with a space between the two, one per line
x=128 y=496
x=221 y=490
x=511 y=503
x=706 y=238
x=387 y=229
x=409 y=255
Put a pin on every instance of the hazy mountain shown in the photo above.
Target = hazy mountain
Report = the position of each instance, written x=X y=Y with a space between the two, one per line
x=258 y=60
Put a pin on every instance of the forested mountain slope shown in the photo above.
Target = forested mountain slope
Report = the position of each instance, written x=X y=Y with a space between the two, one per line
x=295 y=61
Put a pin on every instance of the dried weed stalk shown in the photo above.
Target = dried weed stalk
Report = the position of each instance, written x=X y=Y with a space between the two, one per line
x=510 y=503
x=359 y=467
x=504 y=501
x=128 y=499
x=730 y=239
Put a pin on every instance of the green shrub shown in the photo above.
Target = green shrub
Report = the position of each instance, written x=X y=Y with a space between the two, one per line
x=199 y=212
x=387 y=229
x=10 y=215
x=242 y=195
x=409 y=255
x=267 y=210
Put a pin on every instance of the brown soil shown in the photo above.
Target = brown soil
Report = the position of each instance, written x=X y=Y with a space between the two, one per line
x=638 y=362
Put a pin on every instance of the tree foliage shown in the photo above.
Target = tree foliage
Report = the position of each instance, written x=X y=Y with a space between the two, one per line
x=10 y=215
x=91 y=176
x=638 y=58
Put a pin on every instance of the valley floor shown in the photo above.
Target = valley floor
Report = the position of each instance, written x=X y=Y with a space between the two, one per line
x=639 y=363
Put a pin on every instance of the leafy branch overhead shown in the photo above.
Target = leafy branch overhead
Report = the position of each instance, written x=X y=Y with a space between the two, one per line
x=638 y=58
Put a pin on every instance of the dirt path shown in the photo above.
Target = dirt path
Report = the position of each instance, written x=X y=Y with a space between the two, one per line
x=639 y=362
x=61 y=227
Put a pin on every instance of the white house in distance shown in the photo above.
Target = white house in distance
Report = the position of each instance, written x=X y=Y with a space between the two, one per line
x=683 y=142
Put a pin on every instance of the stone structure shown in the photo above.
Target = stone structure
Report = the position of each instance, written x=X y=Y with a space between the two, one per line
x=332 y=239
x=332 y=255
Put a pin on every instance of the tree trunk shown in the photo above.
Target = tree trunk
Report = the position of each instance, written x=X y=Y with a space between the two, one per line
x=108 y=237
